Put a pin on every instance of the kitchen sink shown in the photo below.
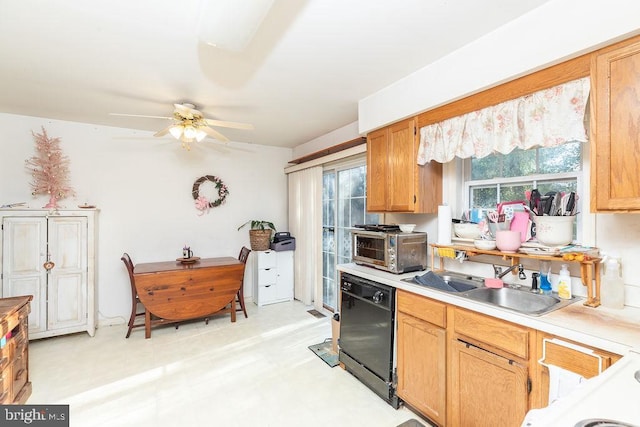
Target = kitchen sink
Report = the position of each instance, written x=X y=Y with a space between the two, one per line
x=522 y=301
x=472 y=288
x=446 y=281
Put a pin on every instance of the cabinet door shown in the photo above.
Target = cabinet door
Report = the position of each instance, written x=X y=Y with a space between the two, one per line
x=421 y=357
x=284 y=281
x=402 y=167
x=67 y=238
x=24 y=251
x=377 y=169
x=487 y=390
x=615 y=150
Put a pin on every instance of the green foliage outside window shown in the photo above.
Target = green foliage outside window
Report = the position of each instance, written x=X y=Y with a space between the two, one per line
x=505 y=177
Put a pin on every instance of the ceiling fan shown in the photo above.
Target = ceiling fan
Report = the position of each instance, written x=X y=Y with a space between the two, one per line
x=189 y=125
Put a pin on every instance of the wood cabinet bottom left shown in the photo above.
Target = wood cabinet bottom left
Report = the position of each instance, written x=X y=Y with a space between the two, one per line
x=15 y=387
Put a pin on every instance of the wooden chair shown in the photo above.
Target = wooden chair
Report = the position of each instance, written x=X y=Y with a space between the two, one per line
x=135 y=301
x=242 y=257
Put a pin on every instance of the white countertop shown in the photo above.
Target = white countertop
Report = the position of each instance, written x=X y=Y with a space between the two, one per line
x=616 y=331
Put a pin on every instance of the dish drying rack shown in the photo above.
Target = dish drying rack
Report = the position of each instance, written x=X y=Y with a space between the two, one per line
x=589 y=268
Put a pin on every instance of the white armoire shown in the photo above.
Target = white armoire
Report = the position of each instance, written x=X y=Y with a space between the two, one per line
x=51 y=255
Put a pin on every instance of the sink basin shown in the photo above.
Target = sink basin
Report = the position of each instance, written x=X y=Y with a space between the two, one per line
x=446 y=281
x=521 y=301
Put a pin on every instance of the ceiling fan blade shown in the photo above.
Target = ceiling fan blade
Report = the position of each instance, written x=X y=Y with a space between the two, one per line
x=214 y=134
x=187 y=109
x=225 y=124
x=139 y=115
x=163 y=132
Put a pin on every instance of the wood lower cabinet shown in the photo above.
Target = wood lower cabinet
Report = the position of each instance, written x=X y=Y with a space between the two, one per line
x=458 y=367
x=615 y=128
x=487 y=389
x=395 y=182
x=566 y=354
x=422 y=355
x=15 y=387
x=489 y=368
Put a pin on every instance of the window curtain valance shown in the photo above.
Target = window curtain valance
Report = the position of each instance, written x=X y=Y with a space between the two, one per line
x=546 y=118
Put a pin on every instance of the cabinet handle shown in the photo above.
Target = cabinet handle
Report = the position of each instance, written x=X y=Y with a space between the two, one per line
x=19 y=374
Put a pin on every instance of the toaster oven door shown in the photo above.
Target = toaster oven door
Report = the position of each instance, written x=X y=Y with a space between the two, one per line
x=370 y=248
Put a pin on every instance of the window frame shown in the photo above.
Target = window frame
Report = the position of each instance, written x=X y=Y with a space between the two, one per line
x=579 y=176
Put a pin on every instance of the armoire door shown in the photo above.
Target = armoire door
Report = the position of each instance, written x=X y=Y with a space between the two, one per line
x=24 y=251
x=67 y=285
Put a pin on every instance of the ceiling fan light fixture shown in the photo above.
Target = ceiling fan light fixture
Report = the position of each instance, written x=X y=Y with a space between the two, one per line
x=231 y=24
x=189 y=132
x=176 y=131
x=200 y=135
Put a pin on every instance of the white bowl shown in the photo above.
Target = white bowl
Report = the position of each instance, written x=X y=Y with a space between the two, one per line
x=485 y=244
x=554 y=230
x=407 y=228
x=467 y=230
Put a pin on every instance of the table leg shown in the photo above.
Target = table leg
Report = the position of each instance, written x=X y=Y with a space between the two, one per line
x=147 y=324
x=233 y=310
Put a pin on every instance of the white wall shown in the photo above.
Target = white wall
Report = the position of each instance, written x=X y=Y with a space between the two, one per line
x=554 y=32
x=142 y=187
x=549 y=34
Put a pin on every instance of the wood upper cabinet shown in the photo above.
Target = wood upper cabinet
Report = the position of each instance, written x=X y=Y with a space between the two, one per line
x=615 y=128
x=421 y=355
x=395 y=182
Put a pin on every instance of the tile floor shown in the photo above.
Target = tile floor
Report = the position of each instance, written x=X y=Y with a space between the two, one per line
x=256 y=372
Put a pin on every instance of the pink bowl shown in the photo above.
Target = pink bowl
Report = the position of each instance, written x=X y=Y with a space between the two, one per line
x=508 y=241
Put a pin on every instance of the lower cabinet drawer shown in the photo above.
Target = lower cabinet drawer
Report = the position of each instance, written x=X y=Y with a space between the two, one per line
x=266 y=276
x=434 y=312
x=19 y=371
x=5 y=385
x=502 y=335
x=268 y=293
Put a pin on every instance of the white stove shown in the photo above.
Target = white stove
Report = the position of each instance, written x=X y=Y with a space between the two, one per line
x=610 y=399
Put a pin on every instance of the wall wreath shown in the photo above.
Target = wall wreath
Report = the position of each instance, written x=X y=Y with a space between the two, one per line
x=203 y=204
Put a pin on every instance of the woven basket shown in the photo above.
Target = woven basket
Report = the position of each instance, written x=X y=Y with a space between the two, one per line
x=259 y=239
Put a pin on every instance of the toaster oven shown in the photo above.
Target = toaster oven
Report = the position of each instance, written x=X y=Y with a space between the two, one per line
x=391 y=251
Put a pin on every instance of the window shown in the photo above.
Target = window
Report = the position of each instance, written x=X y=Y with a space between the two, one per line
x=505 y=177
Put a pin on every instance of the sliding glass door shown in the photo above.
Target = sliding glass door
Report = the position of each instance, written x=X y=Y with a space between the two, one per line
x=344 y=205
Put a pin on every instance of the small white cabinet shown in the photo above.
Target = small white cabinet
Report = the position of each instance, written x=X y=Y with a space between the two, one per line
x=52 y=257
x=273 y=277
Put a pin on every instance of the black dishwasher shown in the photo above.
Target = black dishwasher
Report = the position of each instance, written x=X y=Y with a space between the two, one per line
x=367 y=316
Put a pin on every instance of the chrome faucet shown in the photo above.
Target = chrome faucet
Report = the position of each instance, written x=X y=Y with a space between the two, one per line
x=499 y=274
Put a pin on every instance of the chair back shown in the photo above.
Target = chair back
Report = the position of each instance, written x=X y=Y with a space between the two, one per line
x=244 y=254
x=129 y=264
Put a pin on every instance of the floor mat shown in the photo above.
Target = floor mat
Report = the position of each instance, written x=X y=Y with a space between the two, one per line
x=412 y=423
x=324 y=352
x=316 y=313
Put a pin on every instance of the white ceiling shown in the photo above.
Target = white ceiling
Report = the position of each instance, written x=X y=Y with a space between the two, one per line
x=302 y=75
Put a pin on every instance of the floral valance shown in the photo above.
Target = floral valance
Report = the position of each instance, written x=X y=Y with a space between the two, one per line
x=545 y=118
